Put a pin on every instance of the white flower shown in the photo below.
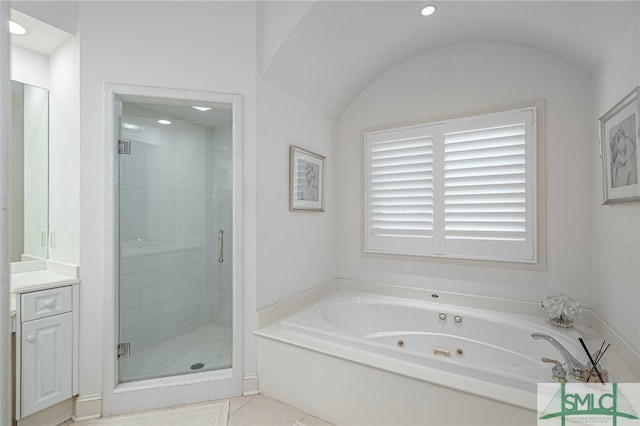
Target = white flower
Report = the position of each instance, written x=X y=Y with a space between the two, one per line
x=562 y=306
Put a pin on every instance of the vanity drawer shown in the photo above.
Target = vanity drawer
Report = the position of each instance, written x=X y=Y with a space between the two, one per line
x=45 y=303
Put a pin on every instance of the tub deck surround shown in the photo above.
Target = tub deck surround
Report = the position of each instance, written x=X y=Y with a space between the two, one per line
x=350 y=387
x=316 y=328
x=481 y=344
x=498 y=370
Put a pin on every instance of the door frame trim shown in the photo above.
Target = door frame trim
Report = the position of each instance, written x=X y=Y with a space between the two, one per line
x=221 y=383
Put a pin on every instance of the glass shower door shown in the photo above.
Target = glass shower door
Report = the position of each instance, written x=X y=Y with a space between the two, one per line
x=175 y=234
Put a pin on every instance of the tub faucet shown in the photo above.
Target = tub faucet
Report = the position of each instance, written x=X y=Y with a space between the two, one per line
x=576 y=368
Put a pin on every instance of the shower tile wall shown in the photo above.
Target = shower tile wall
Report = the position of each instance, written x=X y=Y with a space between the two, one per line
x=172 y=203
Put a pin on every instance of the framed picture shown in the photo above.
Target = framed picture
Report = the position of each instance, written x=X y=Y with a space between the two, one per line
x=306 y=180
x=619 y=151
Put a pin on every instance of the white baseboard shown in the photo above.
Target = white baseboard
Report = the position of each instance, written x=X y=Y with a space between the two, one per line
x=250 y=385
x=86 y=408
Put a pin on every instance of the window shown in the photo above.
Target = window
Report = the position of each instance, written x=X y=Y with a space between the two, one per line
x=462 y=188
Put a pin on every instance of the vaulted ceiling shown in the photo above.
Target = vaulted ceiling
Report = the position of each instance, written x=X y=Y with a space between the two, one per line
x=326 y=52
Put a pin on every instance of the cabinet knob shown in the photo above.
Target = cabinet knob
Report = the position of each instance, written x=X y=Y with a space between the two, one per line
x=48 y=303
x=31 y=338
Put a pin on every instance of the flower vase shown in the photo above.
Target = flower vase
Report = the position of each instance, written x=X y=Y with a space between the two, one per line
x=561 y=321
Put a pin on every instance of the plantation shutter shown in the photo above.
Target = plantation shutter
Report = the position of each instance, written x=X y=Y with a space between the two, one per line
x=463 y=188
x=400 y=191
x=487 y=203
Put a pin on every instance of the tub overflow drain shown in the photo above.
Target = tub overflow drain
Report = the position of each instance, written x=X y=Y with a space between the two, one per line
x=401 y=343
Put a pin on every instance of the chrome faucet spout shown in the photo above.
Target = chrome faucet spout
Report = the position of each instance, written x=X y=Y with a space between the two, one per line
x=576 y=368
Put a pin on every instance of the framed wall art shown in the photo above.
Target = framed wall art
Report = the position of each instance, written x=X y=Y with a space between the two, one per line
x=306 y=180
x=619 y=151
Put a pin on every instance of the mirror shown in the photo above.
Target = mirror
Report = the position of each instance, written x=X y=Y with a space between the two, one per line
x=29 y=172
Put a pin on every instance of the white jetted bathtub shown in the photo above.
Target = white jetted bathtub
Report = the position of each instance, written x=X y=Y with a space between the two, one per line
x=490 y=346
x=364 y=358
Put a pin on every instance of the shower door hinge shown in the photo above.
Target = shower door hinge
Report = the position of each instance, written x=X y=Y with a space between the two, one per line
x=123 y=350
x=124 y=147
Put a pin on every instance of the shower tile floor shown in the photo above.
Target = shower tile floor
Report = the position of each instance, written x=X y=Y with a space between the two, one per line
x=209 y=345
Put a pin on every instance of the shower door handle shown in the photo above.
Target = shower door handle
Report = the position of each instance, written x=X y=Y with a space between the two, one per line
x=220 y=246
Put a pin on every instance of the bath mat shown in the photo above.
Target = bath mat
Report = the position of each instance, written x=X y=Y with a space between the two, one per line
x=215 y=414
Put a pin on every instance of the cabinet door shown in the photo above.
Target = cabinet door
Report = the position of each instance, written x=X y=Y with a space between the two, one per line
x=46 y=362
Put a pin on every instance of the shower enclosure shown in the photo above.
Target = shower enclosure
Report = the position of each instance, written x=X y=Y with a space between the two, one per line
x=175 y=234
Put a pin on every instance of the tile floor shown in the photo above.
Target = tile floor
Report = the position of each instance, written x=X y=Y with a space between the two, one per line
x=209 y=345
x=257 y=410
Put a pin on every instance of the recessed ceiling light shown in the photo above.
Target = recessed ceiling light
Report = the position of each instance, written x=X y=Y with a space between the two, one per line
x=428 y=10
x=164 y=122
x=199 y=108
x=17 y=29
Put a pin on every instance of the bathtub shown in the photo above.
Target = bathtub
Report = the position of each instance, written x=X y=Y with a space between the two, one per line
x=362 y=358
x=485 y=345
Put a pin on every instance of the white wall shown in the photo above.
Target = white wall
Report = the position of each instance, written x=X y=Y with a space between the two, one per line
x=29 y=67
x=463 y=79
x=296 y=250
x=213 y=49
x=64 y=153
x=616 y=228
x=276 y=20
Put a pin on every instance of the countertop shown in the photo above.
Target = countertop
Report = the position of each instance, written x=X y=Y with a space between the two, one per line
x=39 y=275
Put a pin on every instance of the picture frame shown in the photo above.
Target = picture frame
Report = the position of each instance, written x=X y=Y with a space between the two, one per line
x=306 y=180
x=619 y=137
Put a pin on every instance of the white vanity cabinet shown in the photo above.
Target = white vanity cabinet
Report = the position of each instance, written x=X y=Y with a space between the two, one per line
x=46 y=348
